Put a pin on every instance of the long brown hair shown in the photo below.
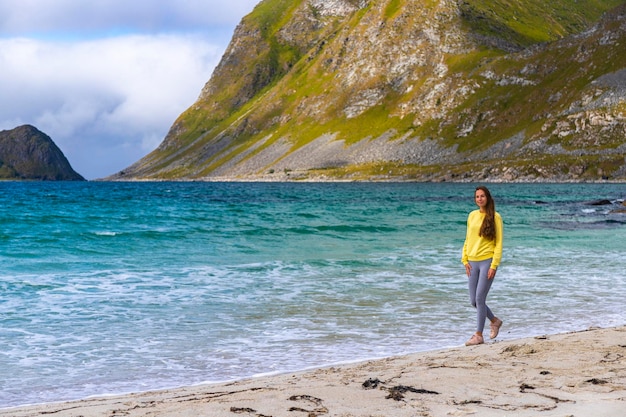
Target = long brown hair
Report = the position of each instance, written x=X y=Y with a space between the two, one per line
x=488 y=228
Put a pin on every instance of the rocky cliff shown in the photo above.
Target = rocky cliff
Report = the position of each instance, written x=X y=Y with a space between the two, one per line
x=516 y=90
x=28 y=154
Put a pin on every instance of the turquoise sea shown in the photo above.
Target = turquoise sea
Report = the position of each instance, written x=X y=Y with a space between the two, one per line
x=110 y=288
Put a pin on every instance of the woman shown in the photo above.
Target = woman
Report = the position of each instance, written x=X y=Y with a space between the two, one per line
x=482 y=252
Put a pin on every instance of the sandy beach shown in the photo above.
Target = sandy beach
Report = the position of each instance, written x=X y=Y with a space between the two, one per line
x=573 y=374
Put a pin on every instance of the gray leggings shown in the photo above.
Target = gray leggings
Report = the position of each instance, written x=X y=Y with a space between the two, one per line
x=479 y=287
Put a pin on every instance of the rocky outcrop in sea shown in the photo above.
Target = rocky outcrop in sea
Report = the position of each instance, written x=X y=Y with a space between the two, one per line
x=29 y=154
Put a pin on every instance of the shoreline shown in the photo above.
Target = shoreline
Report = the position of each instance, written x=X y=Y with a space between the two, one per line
x=567 y=374
x=384 y=179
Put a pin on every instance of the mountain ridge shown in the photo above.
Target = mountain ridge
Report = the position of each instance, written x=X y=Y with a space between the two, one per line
x=415 y=90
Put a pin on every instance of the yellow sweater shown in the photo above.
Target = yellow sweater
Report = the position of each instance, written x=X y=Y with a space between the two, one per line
x=477 y=248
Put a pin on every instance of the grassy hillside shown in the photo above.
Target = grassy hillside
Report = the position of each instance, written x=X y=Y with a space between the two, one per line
x=468 y=74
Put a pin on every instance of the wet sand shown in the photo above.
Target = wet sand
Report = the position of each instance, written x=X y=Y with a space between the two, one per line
x=574 y=374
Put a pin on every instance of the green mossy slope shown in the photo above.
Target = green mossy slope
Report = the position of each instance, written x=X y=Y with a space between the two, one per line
x=469 y=75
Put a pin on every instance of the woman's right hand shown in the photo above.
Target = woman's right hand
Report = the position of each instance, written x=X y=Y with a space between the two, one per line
x=468 y=269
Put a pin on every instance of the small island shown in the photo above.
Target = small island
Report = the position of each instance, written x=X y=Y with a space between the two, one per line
x=26 y=153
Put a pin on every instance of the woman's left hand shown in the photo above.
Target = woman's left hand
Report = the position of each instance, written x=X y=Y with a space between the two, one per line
x=491 y=274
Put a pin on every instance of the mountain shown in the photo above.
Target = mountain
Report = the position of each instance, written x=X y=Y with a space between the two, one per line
x=467 y=90
x=28 y=154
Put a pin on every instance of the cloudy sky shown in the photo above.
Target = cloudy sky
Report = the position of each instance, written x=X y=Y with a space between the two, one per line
x=105 y=79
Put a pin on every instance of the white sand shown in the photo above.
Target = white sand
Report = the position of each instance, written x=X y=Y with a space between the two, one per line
x=575 y=374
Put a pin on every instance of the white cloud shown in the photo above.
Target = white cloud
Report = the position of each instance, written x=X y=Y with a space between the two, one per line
x=87 y=16
x=107 y=100
x=117 y=97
